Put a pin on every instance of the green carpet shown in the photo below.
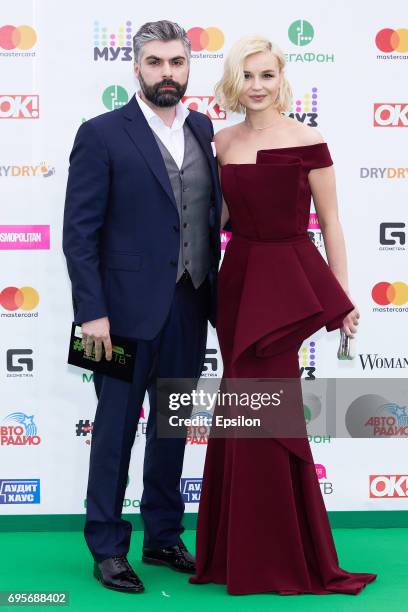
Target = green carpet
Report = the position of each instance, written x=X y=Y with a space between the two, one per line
x=60 y=561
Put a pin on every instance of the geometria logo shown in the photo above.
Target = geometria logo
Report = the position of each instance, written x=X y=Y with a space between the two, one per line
x=25 y=298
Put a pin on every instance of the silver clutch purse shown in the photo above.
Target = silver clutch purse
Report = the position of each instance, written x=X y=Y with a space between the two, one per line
x=347 y=348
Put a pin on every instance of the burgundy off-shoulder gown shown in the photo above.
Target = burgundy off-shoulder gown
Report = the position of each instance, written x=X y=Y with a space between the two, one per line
x=262 y=522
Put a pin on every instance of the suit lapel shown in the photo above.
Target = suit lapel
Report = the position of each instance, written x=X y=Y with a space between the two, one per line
x=206 y=147
x=202 y=141
x=141 y=135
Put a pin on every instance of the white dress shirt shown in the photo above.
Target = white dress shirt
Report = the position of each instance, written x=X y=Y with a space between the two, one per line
x=172 y=137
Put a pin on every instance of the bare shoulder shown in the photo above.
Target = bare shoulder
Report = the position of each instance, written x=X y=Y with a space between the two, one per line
x=308 y=135
x=224 y=137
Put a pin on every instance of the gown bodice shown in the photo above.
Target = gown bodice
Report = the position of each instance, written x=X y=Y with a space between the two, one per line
x=275 y=288
x=270 y=200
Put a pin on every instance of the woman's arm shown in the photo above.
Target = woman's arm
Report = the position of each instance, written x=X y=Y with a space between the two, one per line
x=220 y=141
x=225 y=211
x=323 y=186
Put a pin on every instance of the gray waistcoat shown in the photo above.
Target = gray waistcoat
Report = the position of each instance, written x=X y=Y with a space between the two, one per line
x=192 y=187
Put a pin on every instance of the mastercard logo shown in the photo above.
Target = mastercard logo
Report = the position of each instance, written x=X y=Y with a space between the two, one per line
x=210 y=39
x=21 y=37
x=390 y=293
x=388 y=40
x=25 y=298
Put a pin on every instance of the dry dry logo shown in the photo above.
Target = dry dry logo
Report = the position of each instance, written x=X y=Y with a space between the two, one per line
x=19 y=106
x=191 y=489
x=384 y=173
x=23 y=434
x=13 y=171
x=20 y=491
x=113 y=46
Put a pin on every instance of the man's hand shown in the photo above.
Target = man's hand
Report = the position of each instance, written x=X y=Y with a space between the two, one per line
x=97 y=332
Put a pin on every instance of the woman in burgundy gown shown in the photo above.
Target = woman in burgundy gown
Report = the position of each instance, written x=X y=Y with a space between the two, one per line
x=262 y=522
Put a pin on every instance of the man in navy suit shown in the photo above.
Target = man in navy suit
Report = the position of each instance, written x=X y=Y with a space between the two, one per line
x=141 y=239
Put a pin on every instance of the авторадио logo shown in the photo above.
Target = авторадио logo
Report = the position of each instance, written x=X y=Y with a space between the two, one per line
x=23 y=434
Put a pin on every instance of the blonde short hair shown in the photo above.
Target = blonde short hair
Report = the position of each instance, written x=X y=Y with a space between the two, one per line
x=228 y=89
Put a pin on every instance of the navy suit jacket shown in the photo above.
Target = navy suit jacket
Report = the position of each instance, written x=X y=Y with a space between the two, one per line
x=121 y=225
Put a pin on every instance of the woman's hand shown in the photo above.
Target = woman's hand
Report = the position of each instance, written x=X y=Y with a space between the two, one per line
x=351 y=321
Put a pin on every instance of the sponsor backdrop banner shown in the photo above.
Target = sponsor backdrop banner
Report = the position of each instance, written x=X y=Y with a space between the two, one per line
x=63 y=63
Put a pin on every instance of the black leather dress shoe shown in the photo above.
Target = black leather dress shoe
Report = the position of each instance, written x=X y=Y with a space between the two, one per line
x=117 y=574
x=177 y=557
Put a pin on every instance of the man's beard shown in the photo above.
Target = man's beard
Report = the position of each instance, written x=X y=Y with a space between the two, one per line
x=166 y=98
